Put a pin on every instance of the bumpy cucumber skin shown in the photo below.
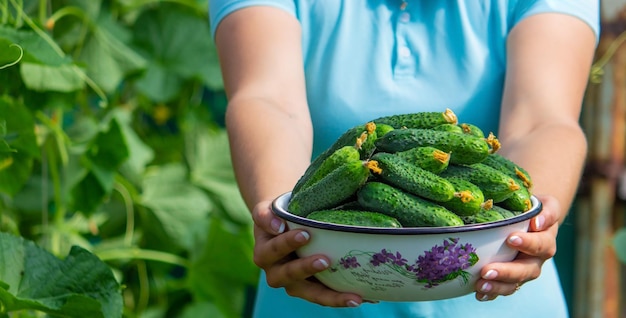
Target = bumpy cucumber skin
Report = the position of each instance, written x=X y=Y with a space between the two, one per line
x=427 y=158
x=470 y=203
x=495 y=184
x=355 y=218
x=413 y=179
x=518 y=201
x=348 y=138
x=483 y=216
x=449 y=128
x=332 y=190
x=471 y=129
x=505 y=212
x=509 y=167
x=410 y=210
x=382 y=129
x=418 y=120
x=316 y=173
x=464 y=149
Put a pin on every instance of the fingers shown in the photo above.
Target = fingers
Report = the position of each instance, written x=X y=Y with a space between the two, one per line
x=505 y=278
x=315 y=292
x=535 y=247
x=274 y=251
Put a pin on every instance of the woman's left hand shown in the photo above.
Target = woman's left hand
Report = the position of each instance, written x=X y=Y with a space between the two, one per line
x=535 y=247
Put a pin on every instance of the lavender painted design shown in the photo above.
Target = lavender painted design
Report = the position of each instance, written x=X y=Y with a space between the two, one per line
x=440 y=264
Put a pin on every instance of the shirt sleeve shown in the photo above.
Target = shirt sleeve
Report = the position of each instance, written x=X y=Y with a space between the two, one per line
x=586 y=10
x=219 y=9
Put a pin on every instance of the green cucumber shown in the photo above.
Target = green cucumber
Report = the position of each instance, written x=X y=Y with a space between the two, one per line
x=419 y=120
x=471 y=129
x=400 y=173
x=427 y=158
x=453 y=128
x=509 y=167
x=483 y=216
x=494 y=184
x=382 y=129
x=332 y=190
x=355 y=218
x=468 y=198
x=464 y=149
x=316 y=173
x=505 y=212
x=518 y=201
x=410 y=210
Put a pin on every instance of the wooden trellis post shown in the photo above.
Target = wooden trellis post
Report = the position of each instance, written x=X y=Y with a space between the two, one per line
x=598 y=272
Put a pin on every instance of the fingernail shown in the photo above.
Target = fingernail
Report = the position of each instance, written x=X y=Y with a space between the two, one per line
x=515 y=240
x=539 y=222
x=302 y=236
x=278 y=226
x=352 y=303
x=490 y=274
x=484 y=298
x=486 y=287
x=320 y=264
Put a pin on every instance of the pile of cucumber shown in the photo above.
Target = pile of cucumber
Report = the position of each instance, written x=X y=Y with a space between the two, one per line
x=412 y=170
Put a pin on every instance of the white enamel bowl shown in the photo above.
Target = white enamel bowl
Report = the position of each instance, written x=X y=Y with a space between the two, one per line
x=406 y=264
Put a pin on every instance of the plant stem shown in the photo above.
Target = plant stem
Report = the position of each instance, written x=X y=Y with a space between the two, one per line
x=4 y=8
x=138 y=253
x=130 y=212
x=43 y=10
x=60 y=52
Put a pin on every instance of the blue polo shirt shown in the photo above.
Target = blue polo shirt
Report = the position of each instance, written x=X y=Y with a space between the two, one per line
x=366 y=59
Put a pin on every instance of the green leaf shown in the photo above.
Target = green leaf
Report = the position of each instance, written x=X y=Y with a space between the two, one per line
x=211 y=169
x=36 y=49
x=228 y=248
x=619 y=244
x=171 y=37
x=91 y=191
x=16 y=171
x=19 y=129
x=140 y=154
x=79 y=286
x=41 y=78
x=177 y=205
x=109 y=59
x=109 y=149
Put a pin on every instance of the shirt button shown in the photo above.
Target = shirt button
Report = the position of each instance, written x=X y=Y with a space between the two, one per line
x=405 y=17
x=405 y=51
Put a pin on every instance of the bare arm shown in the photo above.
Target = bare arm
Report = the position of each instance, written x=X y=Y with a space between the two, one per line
x=267 y=116
x=548 y=67
x=549 y=58
x=271 y=137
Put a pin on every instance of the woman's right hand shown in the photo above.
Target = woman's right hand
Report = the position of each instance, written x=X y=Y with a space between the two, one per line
x=274 y=252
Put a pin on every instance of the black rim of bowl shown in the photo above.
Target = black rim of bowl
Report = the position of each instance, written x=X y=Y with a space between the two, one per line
x=280 y=203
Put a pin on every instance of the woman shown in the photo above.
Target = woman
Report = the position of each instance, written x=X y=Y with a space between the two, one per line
x=298 y=73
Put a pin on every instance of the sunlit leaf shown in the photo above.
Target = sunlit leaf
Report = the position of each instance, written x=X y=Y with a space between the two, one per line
x=225 y=282
x=211 y=169
x=171 y=37
x=109 y=59
x=175 y=202
x=40 y=77
x=36 y=49
x=79 y=286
